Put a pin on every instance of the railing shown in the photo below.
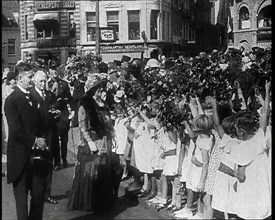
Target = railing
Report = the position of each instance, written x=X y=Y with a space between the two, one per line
x=58 y=42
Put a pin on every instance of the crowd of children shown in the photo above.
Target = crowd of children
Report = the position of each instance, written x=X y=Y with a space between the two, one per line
x=218 y=165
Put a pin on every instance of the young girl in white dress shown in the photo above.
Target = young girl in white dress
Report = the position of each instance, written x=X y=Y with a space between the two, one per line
x=253 y=189
x=120 y=138
x=171 y=144
x=224 y=193
x=198 y=170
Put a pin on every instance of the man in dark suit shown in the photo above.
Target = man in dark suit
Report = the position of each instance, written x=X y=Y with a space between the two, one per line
x=78 y=84
x=63 y=95
x=46 y=100
x=23 y=117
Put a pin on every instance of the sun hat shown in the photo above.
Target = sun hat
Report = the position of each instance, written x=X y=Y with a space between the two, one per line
x=152 y=63
x=95 y=79
x=112 y=67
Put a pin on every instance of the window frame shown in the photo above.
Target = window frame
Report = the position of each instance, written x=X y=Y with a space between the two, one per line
x=241 y=10
x=70 y=21
x=156 y=24
x=90 y=22
x=111 y=23
x=139 y=36
x=14 y=47
x=26 y=27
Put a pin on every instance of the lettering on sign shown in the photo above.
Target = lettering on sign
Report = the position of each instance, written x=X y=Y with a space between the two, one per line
x=264 y=35
x=60 y=42
x=122 y=48
x=51 y=5
x=107 y=34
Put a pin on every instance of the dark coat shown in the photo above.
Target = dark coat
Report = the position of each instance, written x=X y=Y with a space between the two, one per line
x=63 y=98
x=48 y=123
x=23 y=122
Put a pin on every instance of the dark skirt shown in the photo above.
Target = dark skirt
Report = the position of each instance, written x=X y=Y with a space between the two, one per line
x=92 y=188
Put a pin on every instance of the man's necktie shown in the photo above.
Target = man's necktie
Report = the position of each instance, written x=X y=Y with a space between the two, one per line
x=28 y=97
x=43 y=95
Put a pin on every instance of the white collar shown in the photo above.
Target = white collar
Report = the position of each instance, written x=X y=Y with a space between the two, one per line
x=39 y=91
x=22 y=89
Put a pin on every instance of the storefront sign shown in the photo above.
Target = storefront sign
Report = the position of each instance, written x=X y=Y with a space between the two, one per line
x=54 y=5
x=107 y=34
x=264 y=35
x=56 y=43
x=122 y=48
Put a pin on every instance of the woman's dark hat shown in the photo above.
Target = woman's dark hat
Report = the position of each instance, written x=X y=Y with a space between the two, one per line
x=95 y=79
x=125 y=59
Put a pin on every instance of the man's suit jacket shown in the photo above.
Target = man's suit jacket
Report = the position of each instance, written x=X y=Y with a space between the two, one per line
x=23 y=121
x=48 y=123
x=63 y=97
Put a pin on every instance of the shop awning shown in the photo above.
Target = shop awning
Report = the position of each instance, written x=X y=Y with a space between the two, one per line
x=46 y=16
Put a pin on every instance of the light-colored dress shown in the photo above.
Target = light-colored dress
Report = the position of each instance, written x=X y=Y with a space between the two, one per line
x=143 y=148
x=120 y=135
x=187 y=160
x=214 y=164
x=224 y=195
x=157 y=160
x=254 y=195
x=194 y=173
x=170 y=167
x=268 y=135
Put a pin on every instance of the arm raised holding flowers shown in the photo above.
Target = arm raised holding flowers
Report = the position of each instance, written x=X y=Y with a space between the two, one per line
x=266 y=110
x=213 y=103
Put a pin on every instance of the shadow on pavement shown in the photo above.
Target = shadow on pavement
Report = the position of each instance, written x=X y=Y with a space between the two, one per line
x=64 y=196
x=70 y=165
x=121 y=204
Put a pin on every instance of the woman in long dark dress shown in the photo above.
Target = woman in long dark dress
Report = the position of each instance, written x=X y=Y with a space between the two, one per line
x=97 y=171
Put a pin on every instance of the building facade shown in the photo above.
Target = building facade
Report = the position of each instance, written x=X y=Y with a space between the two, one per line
x=11 y=52
x=252 y=20
x=57 y=29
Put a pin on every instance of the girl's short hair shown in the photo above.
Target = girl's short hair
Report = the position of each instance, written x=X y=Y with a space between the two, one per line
x=228 y=125
x=202 y=123
x=247 y=121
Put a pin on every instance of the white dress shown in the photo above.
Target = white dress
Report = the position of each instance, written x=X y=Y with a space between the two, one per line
x=143 y=148
x=187 y=160
x=224 y=195
x=254 y=195
x=170 y=167
x=157 y=160
x=268 y=135
x=120 y=135
x=194 y=173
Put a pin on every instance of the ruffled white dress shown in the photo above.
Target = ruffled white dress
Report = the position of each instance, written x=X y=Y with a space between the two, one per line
x=170 y=167
x=194 y=173
x=254 y=195
x=143 y=148
x=224 y=195
x=187 y=160
x=120 y=135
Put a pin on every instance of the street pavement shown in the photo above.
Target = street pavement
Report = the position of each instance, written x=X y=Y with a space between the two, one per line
x=125 y=207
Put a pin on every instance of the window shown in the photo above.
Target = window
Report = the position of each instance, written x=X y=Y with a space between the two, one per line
x=113 y=21
x=72 y=25
x=91 y=24
x=265 y=17
x=47 y=31
x=244 y=18
x=134 y=25
x=26 y=27
x=154 y=24
x=11 y=46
